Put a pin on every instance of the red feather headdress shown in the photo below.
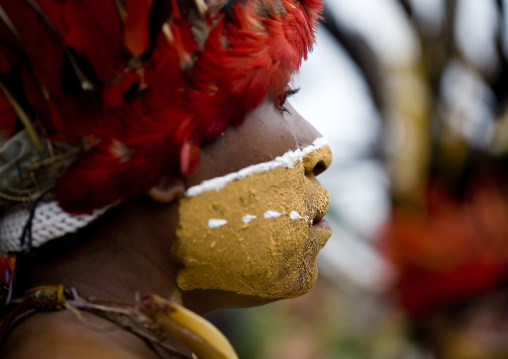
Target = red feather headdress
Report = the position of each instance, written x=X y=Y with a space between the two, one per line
x=127 y=90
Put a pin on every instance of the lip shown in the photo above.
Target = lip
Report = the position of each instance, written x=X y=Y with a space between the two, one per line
x=320 y=234
x=322 y=224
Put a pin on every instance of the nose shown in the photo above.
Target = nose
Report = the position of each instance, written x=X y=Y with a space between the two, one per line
x=318 y=197
x=318 y=160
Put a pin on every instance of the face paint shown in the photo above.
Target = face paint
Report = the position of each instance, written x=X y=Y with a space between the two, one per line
x=251 y=232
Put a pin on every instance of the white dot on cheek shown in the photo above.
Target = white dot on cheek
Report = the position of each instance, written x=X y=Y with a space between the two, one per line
x=216 y=223
x=295 y=215
x=272 y=214
x=248 y=217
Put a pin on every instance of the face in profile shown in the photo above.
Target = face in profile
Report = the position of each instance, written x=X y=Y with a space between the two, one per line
x=250 y=222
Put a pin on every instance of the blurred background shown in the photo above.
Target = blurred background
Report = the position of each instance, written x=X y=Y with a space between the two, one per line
x=412 y=97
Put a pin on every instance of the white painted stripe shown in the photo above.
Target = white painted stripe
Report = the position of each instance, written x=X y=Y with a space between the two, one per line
x=286 y=160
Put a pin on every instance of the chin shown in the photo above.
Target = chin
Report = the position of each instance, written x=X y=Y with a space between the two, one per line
x=204 y=301
x=302 y=283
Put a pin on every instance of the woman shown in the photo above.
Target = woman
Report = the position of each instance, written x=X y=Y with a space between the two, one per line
x=147 y=148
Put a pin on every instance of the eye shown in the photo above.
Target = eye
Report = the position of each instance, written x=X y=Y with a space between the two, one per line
x=288 y=92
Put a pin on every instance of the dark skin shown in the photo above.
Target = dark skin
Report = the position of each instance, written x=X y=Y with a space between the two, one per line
x=128 y=251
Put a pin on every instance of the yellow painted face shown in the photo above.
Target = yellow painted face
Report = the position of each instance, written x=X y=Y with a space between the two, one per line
x=257 y=231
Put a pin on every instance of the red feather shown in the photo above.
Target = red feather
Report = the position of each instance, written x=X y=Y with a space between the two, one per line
x=137 y=33
x=101 y=21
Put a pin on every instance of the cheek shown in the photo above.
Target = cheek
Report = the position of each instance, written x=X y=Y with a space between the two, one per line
x=254 y=236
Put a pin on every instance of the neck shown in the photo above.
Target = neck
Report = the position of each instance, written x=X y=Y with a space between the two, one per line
x=119 y=257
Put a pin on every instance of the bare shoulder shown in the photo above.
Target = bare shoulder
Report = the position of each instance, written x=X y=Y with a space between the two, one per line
x=61 y=335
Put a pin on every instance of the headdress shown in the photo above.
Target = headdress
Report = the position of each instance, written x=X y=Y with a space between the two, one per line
x=99 y=100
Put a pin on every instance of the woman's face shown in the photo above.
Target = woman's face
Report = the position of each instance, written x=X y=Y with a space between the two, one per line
x=255 y=229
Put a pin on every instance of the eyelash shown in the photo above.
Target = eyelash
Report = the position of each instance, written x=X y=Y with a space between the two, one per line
x=288 y=92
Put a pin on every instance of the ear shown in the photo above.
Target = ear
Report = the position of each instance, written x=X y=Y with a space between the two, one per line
x=167 y=190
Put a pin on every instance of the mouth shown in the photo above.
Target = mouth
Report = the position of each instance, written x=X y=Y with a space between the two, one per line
x=321 y=224
x=321 y=231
